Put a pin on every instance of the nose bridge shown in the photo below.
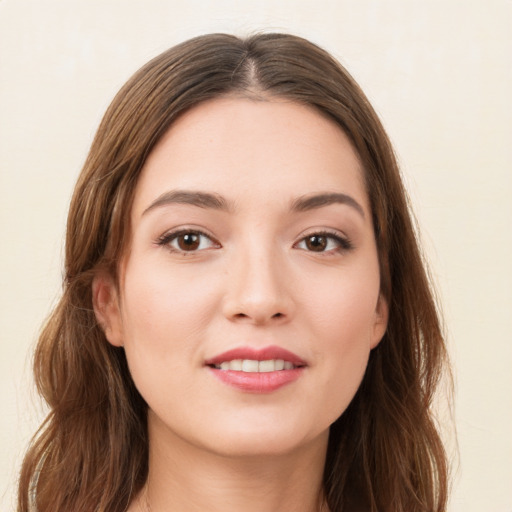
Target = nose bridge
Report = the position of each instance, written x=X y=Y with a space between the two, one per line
x=258 y=290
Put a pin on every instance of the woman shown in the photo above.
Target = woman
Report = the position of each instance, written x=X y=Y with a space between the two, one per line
x=246 y=321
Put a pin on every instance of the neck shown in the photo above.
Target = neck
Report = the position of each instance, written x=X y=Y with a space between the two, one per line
x=183 y=477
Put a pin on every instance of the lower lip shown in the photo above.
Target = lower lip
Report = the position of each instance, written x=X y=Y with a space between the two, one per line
x=257 y=382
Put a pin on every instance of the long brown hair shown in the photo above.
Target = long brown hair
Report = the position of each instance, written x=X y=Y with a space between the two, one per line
x=91 y=453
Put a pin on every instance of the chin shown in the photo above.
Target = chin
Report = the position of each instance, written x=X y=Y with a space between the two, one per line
x=276 y=439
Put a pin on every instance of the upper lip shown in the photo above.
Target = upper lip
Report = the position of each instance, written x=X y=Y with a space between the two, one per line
x=256 y=354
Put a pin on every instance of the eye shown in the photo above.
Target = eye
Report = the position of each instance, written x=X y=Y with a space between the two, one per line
x=187 y=241
x=324 y=242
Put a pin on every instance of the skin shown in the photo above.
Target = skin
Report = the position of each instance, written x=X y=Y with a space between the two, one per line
x=255 y=281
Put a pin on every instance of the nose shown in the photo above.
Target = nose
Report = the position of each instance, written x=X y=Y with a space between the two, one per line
x=258 y=289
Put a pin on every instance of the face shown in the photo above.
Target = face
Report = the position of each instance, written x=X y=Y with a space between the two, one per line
x=249 y=301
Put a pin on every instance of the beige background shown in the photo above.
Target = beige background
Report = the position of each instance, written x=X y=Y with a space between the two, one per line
x=438 y=72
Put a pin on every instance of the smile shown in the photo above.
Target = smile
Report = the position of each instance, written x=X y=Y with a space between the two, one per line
x=255 y=366
x=261 y=370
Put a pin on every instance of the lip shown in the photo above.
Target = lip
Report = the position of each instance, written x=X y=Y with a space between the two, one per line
x=265 y=382
x=257 y=354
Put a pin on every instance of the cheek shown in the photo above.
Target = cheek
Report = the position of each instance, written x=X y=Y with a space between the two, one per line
x=343 y=318
x=344 y=308
x=164 y=318
x=163 y=315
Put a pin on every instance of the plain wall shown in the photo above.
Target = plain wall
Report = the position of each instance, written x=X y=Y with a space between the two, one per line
x=438 y=72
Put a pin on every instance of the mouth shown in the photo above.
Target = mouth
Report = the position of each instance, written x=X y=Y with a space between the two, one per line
x=256 y=366
x=257 y=370
x=256 y=360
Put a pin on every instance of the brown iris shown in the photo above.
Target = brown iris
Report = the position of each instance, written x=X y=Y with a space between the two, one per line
x=316 y=243
x=188 y=241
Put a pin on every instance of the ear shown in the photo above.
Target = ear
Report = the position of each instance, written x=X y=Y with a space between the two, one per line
x=105 y=302
x=380 y=322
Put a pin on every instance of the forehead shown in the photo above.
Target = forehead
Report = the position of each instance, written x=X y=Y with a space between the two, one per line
x=247 y=150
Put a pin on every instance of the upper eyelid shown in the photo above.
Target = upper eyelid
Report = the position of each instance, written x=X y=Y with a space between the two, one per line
x=342 y=239
x=186 y=229
x=332 y=232
x=175 y=232
x=172 y=234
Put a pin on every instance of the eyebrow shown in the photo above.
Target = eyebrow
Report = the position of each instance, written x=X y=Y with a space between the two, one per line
x=313 y=201
x=200 y=199
x=217 y=202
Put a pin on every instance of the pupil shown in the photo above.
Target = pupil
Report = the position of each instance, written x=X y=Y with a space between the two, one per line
x=316 y=243
x=188 y=241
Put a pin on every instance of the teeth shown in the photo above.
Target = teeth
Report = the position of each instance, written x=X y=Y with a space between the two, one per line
x=253 y=366
x=236 y=364
x=249 y=365
x=267 y=366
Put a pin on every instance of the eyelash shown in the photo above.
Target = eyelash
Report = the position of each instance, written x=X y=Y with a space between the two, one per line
x=167 y=239
x=343 y=243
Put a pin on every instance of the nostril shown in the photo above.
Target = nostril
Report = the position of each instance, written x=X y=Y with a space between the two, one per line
x=277 y=315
